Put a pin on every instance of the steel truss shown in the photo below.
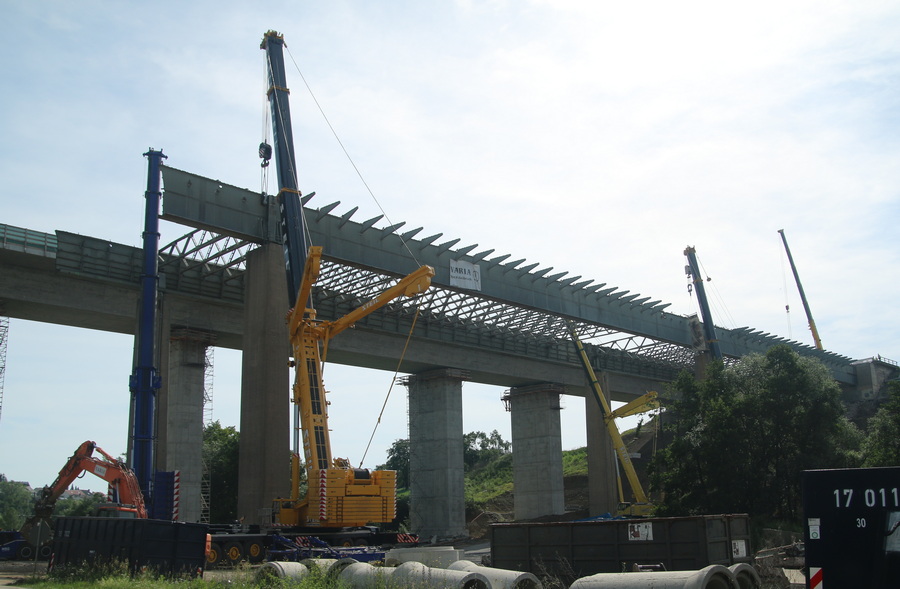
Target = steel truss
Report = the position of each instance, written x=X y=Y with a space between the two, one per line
x=446 y=313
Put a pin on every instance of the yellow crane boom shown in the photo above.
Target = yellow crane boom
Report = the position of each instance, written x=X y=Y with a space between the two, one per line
x=641 y=505
x=336 y=495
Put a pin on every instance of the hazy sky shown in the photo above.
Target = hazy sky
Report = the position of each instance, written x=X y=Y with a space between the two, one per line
x=595 y=137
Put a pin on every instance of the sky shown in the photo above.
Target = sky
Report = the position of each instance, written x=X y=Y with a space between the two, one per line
x=597 y=137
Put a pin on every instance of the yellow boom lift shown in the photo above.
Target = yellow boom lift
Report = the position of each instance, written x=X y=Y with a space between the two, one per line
x=640 y=506
x=336 y=495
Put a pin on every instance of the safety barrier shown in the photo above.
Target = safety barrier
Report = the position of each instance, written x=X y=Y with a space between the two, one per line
x=499 y=578
x=712 y=577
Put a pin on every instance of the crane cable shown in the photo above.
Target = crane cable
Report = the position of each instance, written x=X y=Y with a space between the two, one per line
x=391 y=388
x=386 y=216
x=307 y=239
x=721 y=307
x=264 y=167
x=390 y=223
x=784 y=287
x=347 y=154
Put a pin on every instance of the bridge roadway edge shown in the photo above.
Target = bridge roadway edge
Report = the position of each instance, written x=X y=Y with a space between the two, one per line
x=44 y=293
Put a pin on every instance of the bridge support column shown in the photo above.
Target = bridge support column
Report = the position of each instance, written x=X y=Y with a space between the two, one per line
x=437 y=492
x=603 y=494
x=180 y=419
x=537 y=450
x=264 y=456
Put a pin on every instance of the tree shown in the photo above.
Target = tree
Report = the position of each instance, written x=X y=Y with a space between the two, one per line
x=398 y=459
x=16 y=504
x=220 y=454
x=743 y=435
x=882 y=445
x=479 y=447
x=79 y=506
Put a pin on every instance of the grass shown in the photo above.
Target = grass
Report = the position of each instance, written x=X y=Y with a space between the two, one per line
x=116 y=576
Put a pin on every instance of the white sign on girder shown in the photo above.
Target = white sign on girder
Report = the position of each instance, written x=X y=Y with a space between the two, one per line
x=465 y=275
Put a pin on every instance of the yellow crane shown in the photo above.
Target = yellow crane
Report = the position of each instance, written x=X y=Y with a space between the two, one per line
x=640 y=506
x=336 y=495
x=809 y=317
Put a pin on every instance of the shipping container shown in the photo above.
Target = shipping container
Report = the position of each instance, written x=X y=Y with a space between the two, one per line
x=570 y=550
x=851 y=521
x=163 y=547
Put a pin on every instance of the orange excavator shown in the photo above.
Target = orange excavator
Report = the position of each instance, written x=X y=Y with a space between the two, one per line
x=129 y=502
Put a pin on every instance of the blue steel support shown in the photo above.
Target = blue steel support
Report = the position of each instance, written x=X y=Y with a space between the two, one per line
x=709 y=330
x=145 y=381
x=292 y=230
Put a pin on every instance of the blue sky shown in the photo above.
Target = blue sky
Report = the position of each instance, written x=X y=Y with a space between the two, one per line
x=595 y=137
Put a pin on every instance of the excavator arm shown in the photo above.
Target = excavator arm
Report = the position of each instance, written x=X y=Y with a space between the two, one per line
x=113 y=471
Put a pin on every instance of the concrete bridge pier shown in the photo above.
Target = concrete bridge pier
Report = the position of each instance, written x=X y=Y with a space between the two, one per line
x=437 y=491
x=537 y=450
x=180 y=420
x=603 y=494
x=264 y=455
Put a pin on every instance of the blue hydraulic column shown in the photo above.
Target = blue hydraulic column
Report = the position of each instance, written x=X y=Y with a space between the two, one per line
x=292 y=232
x=145 y=381
x=709 y=330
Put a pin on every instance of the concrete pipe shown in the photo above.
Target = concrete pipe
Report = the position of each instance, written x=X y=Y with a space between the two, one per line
x=432 y=556
x=281 y=570
x=746 y=576
x=362 y=575
x=415 y=574
x=712 y=577
x=499 y=578
x=328 y=568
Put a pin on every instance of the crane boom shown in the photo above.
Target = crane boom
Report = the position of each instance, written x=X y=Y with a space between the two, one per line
x=641 y=505
x=335 y=495
x=709 y=329
x=292 y=229
x=809 y=317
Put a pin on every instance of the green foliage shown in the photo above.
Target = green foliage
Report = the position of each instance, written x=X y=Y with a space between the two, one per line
x=79 y=506
x=489 y=480
x=220 y=453
x=882 y=444
x=16 y=504
x=398 y=459
x=481 y=448
x=743 y=435
x=115 y=575
x=575 y=462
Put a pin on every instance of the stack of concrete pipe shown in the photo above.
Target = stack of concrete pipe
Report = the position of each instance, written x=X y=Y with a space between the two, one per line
x=464 y=574
x=740 y=576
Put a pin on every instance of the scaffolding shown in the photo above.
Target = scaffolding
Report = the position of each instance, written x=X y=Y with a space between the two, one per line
x=4 y=332
x=207 y=419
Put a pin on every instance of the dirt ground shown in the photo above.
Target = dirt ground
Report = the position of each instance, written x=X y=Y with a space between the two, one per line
x=16 y=570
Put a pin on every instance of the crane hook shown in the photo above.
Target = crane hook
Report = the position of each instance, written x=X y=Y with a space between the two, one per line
x=265 y=153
